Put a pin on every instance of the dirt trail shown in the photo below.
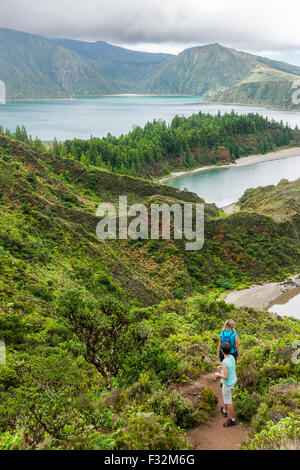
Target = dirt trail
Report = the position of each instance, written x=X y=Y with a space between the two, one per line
x=213 y=436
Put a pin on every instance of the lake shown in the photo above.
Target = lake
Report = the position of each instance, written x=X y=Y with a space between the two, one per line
x=81 y=117
x=224 y=186
x=287 y=304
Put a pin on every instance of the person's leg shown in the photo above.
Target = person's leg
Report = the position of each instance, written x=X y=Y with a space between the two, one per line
x=227 y=397
x=224 y=407
x=230 y=410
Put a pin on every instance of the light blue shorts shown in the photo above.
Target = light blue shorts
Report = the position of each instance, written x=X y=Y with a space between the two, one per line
x=227 y=393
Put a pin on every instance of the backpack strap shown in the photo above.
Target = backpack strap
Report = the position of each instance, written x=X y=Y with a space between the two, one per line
x=228 y=337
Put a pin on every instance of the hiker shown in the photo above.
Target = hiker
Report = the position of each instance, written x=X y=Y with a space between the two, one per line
x=228 y=376
x=229 y=335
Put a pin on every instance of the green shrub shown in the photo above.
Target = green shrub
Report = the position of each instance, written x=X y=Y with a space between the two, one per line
x=103 y=442
x=155 y=357
x=178 y=293
x=103 y=280
x=8 y=377
x=146 y=431
x=141 y=389
x=245 y=406
x=11 y=329
x=11 y=441
x=153 y=247
x=284 y=435
x=207 y=403
x=174 y=405
x=41 y=291
x=280 y=401
x=224 y=283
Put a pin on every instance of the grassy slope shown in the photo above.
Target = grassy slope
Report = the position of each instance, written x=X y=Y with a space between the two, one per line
x=281 y=202
x=62 y=194
x=125 y=66
x=41 y=210
x=34 y=67
x=201 y=70
x=226 y=75
x=48 y=246
x=268 y=93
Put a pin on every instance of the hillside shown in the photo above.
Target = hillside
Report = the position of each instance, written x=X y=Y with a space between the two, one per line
x=201 y=70
x=61 y=194
x=281 y=202
x=223 y=75
x=100 y=334
x=36 y=67
x=51 y=191
x=272 y=94
x=124 y=66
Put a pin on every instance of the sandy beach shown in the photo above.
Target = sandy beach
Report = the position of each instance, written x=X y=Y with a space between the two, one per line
x=262 y=296
x=243 y=161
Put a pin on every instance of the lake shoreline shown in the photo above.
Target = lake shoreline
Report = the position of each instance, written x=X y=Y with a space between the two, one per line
x=241 y=162
x=126 y=95
x=262 y=296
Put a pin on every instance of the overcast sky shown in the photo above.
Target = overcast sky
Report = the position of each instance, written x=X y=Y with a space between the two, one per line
x=267 y=27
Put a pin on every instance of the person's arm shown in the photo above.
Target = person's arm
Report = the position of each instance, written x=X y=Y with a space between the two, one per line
x=236 y=343
x=220 y=342
x=224 y=375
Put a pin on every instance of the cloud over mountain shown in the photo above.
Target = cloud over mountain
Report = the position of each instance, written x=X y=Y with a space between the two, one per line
x=251 y=25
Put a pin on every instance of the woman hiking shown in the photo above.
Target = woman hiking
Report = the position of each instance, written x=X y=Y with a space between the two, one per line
x=229 y=335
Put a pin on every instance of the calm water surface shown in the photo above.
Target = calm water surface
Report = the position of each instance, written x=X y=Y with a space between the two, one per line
x=287 y=304
x=224 y=186
x=82 y=117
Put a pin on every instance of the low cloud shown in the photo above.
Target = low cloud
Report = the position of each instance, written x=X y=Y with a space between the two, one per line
x=256 y=25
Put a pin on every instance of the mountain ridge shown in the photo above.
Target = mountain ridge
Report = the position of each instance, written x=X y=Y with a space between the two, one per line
x=35 y=67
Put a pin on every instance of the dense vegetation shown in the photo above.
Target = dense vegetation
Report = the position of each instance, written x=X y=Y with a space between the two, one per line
x=100 y=334
x=270 y=93
x=281 y=202
x=200 y=139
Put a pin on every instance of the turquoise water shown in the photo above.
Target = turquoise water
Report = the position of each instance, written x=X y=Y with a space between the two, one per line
x=224 y=186
x=115 y=114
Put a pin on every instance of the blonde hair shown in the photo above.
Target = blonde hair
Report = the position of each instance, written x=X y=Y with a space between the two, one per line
x=229 y=325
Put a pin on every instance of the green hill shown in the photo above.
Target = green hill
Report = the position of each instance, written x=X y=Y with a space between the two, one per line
x=99 y=334
x=201 y=70
x=275 y=94
x=35 y=67
x=281 y=202
x=124 y=66
x=226 y=75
